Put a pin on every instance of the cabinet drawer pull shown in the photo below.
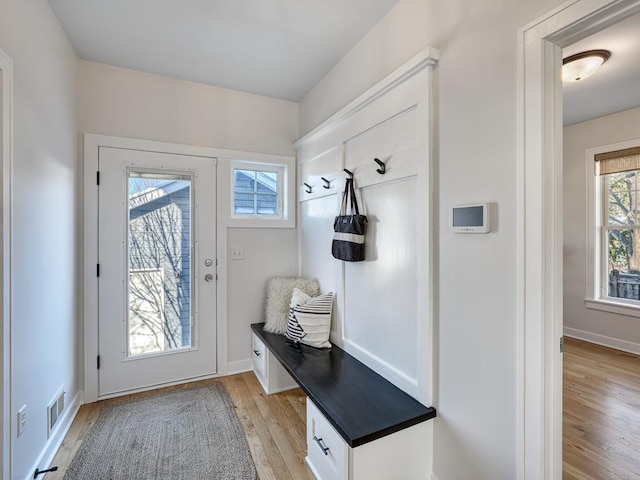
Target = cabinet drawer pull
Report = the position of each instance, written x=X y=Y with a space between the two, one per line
x=257 y=353
x=321 y=445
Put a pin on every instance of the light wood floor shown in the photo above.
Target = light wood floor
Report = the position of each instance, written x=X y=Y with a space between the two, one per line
x=274 y=426
x=601 y=419
x=601 y=413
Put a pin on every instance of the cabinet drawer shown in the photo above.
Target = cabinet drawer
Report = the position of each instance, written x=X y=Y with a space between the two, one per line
x=259 y=357
x=271 y=375
x=327 y=452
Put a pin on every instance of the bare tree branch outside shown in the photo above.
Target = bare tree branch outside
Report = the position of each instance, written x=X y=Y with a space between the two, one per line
x=623 y=232
x=159 y=264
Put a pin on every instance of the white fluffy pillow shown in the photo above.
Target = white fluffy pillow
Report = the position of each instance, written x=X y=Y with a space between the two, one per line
x=310 y=322
x=279 y=292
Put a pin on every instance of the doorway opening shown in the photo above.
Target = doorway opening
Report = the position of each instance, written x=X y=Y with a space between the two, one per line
x=602 y=274
x=541 y=227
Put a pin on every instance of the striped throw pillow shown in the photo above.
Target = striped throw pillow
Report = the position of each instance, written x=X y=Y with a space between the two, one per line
x=310 y=322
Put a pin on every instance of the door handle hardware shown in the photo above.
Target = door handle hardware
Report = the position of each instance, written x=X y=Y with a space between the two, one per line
x=321 y=444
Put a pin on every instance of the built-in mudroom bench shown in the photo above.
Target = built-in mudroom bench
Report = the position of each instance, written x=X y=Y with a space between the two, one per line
x=359 y=425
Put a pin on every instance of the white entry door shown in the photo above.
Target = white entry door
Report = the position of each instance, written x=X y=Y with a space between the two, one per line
x=157 y=269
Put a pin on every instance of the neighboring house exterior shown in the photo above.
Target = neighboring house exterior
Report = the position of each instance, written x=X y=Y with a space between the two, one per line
x=160 y=267
x=160 y=255
x=255 y=192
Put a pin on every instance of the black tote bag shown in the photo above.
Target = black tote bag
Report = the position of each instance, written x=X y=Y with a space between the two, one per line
x=349 y=229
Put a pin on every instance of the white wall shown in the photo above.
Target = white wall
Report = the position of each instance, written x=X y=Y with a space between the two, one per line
x=45 y=174
x=397 y=37
x=127 y=103
x=267 y=253
x=602 y=327
x=475 y=434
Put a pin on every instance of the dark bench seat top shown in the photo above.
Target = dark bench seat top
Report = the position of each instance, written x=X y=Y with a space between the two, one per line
x=360 y=404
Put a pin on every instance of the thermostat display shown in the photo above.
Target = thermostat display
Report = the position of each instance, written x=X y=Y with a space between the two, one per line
x=470 y=218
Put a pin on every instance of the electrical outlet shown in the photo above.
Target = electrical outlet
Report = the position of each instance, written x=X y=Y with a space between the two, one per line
x=22 y=419
x=237 y=254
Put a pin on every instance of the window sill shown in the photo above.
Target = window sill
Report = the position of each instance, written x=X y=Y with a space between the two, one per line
x=620 y=308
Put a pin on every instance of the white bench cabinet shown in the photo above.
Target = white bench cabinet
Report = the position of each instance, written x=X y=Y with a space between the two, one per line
x=271 y=375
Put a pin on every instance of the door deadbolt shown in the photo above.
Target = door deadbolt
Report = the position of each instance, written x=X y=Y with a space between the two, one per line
x=208 y=262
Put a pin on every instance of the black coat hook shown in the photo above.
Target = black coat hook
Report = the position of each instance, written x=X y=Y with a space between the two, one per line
x=383 y=168
x=349 y=173
x=309 y=188
x=327 y=183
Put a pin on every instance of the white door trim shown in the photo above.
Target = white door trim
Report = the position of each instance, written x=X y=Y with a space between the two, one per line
x=539 y=403
x=92 y=142
x=6 y=160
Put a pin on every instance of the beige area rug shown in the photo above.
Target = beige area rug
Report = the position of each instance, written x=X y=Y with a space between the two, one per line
x=181 y=434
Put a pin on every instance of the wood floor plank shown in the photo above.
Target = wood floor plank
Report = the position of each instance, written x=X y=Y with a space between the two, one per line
x=279 y=427
x=278 y=463
x=296 y=425
x=258 y=453
x=601 y=425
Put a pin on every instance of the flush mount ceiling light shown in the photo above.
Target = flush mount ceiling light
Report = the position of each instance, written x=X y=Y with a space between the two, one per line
x=581 y=65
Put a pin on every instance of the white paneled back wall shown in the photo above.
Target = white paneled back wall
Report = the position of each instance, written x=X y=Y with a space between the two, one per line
x=383 y=311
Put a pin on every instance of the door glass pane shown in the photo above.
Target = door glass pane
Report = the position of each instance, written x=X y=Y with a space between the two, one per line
x=160 y=276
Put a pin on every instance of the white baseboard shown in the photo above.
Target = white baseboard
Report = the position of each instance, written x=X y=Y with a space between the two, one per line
x=240 y=366
x=57 y=436
x=603 y=340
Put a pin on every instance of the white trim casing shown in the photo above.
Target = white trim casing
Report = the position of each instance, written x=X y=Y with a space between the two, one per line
x=628 y=308
x=6 y=161
x=428 y=57
x=539 y=404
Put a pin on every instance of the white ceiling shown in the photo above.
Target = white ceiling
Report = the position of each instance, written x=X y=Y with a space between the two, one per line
x=277 y=48
x=616 y=85
x=282 y=48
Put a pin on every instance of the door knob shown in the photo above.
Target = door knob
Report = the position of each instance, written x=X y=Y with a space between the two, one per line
x=208 y=277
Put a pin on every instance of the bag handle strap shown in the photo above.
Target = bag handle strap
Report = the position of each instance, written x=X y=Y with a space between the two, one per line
x=354 y=200
x=349 y=197
x=345 y=196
